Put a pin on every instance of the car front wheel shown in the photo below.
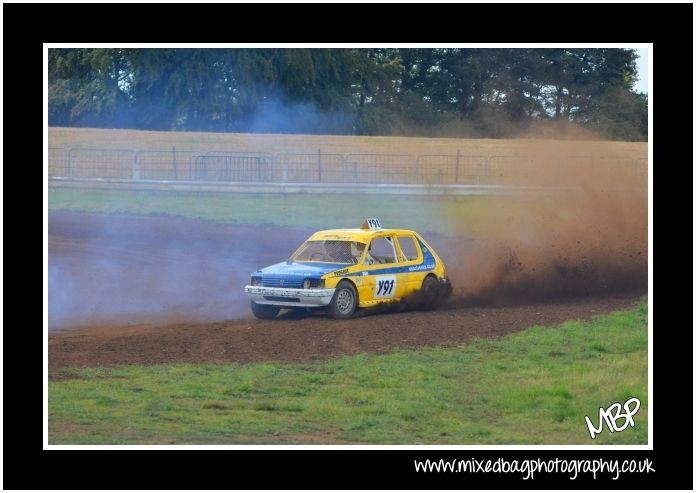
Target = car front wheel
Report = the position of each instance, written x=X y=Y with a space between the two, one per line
x=344 y=301
x=264 y=312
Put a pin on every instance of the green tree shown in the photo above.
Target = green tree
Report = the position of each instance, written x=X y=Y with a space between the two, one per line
x=86 y=86
x=490 y=92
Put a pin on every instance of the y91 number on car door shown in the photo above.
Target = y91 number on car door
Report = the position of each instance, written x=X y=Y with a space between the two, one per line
x=385 y=286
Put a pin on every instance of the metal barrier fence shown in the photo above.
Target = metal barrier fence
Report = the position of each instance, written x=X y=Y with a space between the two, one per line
x=233 y=166
x=380 y=168
x=453 y=169
x=164 y=165
x=109 y=162
x=318 y=167
x=498 y=165
x=56 y=161
x=309 y=168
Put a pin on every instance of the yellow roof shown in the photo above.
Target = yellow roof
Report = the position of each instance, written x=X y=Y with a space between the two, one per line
x=361 y=235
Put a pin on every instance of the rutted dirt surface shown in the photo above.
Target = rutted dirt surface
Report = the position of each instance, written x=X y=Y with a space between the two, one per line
x=173 y=274
x=312 y=337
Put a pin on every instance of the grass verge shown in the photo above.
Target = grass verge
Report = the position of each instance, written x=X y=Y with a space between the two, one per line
x=445 y=215
x=533 y=387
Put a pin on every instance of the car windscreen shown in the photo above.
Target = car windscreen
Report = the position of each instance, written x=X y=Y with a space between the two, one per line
x=333 y=251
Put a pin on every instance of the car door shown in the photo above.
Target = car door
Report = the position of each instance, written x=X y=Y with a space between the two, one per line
x=410 y=259
x=381 y=280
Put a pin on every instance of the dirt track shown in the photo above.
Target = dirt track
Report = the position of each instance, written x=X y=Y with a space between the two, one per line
x=296 y=339
x=158 y=289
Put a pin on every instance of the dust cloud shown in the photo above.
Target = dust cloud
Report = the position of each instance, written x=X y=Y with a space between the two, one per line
x=120 y=269
x=578 y=225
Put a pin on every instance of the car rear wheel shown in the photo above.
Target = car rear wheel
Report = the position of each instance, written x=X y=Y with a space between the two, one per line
x=429 y=293
x=264 y=312
x=344 y=301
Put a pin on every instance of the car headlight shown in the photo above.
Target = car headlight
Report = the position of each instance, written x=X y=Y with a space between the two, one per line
x=256 y=281
x=313 y=284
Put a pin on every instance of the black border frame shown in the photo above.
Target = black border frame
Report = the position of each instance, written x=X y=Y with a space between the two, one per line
x=668 y=26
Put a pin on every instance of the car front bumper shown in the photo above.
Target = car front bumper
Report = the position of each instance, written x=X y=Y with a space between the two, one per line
x=289 y=297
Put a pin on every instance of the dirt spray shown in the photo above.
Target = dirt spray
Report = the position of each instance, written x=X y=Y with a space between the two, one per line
x=576 y=224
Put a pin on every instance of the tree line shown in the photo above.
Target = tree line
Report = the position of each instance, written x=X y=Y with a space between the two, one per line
x=453 y=92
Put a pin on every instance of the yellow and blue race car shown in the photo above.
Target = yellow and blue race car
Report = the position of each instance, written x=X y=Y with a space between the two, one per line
x=343 y=269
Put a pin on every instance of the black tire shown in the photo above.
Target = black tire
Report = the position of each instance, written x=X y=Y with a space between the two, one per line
x=264 y=312
x=429 y=293
x=344 y=301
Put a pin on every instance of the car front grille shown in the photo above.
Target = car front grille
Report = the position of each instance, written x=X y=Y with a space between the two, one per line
x=277 y=282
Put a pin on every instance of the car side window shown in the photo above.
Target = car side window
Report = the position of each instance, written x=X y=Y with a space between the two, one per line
x=408 y=247
x=381 y=251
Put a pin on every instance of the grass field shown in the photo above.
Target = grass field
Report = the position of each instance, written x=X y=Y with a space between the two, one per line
x=338 y=144
x=469 y=215
x=533 y=387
